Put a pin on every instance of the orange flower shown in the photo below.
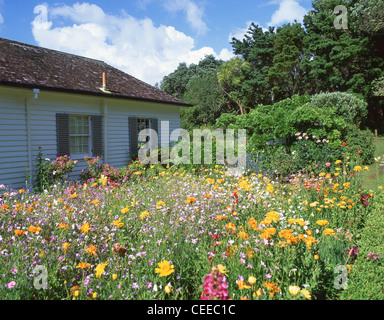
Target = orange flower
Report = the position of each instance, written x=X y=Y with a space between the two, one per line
x=207 y=196
x=190 y=199
x=92 y=250
x=221 y=217
x=19 y=232
x=66 y=245
x=243 y=285
x=4 y=207
x=243 y=235
x=34 y=229
x=250 y=253
x=253 y=224
x=63 y=226
x=230 y=227
x=83 y=265
x=85 y=227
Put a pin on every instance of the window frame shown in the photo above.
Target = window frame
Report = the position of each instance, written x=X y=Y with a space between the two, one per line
x=89 y=135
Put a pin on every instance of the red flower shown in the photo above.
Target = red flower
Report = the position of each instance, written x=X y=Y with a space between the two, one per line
x=343 y=144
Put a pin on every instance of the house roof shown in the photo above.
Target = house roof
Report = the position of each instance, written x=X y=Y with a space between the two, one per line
x=28 y=66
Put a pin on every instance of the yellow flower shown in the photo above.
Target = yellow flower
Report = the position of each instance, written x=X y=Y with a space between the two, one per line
x=66 y=245
x=222 y=269
x=114 y=276
x=160 y=204
x=103 y=180
x=316 y=257
x=322 y=222
x=118 y=223
x=94 y=295
x=165 y=268
x=96 y=202
x=270 y=188
x=85 y=227
x=357 y=168
x=329 y=232
x=294 y=290
x=144 y=214
x=338 y=161
x=258 y=293
x=168 y=288
x=124 y=210
x=100 y=268
x=306 y=293
x=273 y=215
x=251 y=279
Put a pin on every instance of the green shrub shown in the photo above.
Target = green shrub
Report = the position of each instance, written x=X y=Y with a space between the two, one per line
x=366 y=280
x=48 y=173
x=360 y=147
x=346 y=105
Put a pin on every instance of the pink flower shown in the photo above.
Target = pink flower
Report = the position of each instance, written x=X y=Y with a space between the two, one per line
x=10 y=285
x=215 y=286
x=328 y=164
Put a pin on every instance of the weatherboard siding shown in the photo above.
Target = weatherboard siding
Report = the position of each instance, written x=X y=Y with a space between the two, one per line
x=13 y=141
x=42 y=126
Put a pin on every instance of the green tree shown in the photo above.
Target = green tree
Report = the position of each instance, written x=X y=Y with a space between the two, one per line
x=257 y=49
x=232 y=78
x=285 y=76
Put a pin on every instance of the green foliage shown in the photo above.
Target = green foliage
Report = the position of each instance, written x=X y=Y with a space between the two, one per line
x=367 y=275
x=360 y=145
x=352 y=108
x=285 y=76
x=48 y=173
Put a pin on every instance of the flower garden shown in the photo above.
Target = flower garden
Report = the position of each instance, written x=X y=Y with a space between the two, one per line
x=174 y=234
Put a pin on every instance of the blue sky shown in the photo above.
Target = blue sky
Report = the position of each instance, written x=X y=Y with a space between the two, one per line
x=145 y=38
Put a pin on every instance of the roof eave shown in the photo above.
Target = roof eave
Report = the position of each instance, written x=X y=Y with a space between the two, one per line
x=90 y=93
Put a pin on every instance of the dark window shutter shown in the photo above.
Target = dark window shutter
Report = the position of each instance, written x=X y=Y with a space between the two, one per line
x=62 y=134
x=133 y=136
x=97 y=136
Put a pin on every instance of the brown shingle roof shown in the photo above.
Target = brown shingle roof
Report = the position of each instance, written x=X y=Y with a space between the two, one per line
x=25 y=65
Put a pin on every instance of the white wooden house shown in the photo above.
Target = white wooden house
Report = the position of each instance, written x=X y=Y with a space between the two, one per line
x=67 y=104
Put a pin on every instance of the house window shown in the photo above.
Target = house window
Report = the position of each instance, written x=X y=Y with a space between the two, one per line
x=80 y=135
x=135 y=126
x=143 y=124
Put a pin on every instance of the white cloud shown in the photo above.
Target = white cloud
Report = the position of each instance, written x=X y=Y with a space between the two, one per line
x=193 y=12
x=288 y=11
x=1 y=19
x=239 y=33
x=137 y=47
